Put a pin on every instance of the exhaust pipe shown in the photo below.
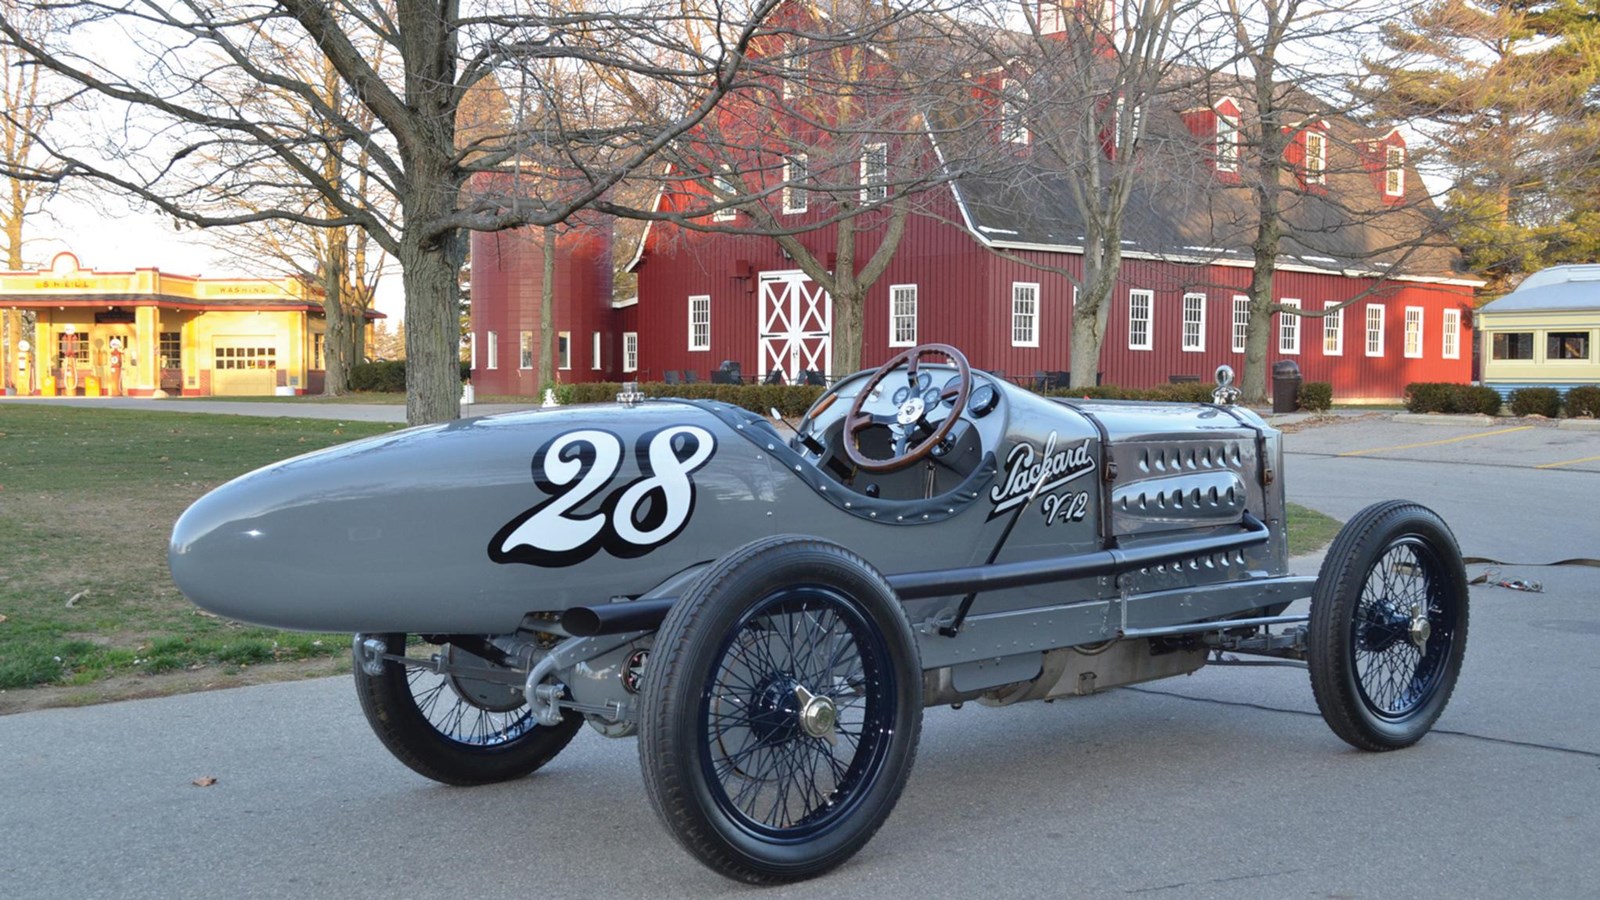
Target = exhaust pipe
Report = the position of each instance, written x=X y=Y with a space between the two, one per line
x=616 y=618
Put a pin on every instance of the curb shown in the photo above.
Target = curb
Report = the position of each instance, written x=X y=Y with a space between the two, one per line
x=1442 y=419
x=1580 y=424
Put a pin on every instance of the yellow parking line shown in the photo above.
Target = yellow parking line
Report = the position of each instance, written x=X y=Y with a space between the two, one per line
x=1464 y=437
x=1570 y=462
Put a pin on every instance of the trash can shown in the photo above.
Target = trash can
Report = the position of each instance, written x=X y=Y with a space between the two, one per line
x=1285 y=386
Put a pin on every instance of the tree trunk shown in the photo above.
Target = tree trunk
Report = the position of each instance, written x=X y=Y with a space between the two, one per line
x=433 y=329
x=547 y=303
x=335 y=340
x=1101 y=262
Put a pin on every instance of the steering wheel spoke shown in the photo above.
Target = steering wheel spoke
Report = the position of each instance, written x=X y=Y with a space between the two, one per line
x=914 y=436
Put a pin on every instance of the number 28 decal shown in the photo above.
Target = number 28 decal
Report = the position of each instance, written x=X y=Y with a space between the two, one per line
x=632 y=520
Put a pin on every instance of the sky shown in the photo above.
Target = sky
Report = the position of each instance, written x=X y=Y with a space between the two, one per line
x=121 y=240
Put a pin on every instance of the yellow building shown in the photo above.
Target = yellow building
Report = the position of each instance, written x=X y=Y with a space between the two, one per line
x=1546 y=333
x=150 y=331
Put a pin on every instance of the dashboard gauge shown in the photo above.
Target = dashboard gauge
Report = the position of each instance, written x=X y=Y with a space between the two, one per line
x=901 y=395
x=983 y=400
x=924 y=381
x=953 y=386
x=930 y=398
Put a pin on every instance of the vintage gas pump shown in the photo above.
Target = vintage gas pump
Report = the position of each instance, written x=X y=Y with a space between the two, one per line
x=69 y=359
x=24 y=368
x=114 y=376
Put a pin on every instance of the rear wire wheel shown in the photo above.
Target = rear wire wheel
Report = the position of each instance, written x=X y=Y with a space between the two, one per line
x=440 y=729
x=1388 y=626
x=781 y=710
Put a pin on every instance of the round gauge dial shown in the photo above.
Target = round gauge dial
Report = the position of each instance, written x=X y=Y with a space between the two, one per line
x=983 y=400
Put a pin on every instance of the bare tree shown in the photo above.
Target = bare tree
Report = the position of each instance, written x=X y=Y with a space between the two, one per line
x=172 y=89
x=22 y=115
x=1080 y=98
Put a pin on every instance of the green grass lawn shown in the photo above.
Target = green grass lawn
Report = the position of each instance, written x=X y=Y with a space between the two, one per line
x=87 y=501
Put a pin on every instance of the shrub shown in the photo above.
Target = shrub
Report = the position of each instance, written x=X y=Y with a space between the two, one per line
x=1584 y=401
x=387 y=377
x=1444 y=397
x=792 y=400
x=1536 y=401
x=1316 y=396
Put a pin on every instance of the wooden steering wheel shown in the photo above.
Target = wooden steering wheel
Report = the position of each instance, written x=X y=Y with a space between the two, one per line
x=912 y=413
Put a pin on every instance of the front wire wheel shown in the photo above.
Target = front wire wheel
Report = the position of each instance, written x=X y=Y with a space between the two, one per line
x=1388 y=626
x=455 y=731
x=781 y=710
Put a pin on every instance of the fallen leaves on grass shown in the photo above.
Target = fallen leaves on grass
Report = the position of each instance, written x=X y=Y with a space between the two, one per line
x=204 y=781
x=2 y=617
x=73 y=600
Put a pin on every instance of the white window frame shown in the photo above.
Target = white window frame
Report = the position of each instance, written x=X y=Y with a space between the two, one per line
x=875 y=180
x=1413 y=334
x=795 y=199
x=630 y=351
x=1452 y=334
x=722 y=191
x=1227 y=143
x=796 y=66
x=899 y=316
x=699 y=318
x=1194 y=326
x=1394 y=171
x=1013 y=130
x=1374 y=328
x=1241 y=323
x=524 y=349
x=1316 y=163
x=1333 y=327
x=564 y=339
x=594 y=349
x=472 y=350
x=1289 y=327
x=494 y=351
x=1024 y=317
x=1147 y=320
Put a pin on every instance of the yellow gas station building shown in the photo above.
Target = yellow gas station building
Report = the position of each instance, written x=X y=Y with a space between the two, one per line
x=140 y=332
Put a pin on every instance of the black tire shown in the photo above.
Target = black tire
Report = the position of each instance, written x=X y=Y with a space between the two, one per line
x=428 y=725
x=1392 y=570
x=736 y=769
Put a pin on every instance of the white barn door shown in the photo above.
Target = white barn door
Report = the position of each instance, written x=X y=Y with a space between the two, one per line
x=796 y=325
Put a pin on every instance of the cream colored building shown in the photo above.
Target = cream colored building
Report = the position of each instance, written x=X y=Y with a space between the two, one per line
x=1546 y=333
x=181 y=334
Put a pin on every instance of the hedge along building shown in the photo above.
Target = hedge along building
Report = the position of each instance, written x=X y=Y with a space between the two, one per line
x=1546 y=333
x=179 y=334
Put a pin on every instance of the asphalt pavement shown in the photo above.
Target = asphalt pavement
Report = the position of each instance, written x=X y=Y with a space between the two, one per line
x=1222 y=784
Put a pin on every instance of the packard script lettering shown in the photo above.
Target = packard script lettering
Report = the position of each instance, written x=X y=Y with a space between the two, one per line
x=1030 y=472
x=1068 y=507
x=632 y=520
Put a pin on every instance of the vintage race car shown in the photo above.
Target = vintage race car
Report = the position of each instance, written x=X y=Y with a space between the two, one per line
x=771 y=612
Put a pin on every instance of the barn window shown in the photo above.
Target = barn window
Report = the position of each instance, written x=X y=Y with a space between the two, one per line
x=1241 y=321
x=1452 y=334
x=1333 y=331
x=564 y=349
x=700 y=322
x=1316 y=157
x=472 y=350
x=1374 y=329
x=1394 y=172
x=1139 y=336
x=1227 y=143
x=1194 y=322
x=796 y=67
x=902 y=315
x=1024 y=314
x=796 y=172
x=1289 y=327
x=526 y=358
x=1413 y=332
x=594 y=352
x=1013 y=130
x=874 y=173
x=724 y=190
x=494 y=351
x=630 y=351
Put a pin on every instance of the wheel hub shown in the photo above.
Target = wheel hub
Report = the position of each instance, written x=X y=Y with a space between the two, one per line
x=818 y=715
x=1421 y=629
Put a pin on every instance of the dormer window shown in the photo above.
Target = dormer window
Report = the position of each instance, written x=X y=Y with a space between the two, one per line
x=1316 y=157
x=1135 y=124
x=1394 y=171
x=796 y=67
x=1227 y=143
x=1013 y=130
x=724 y=191
x=874 y=173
